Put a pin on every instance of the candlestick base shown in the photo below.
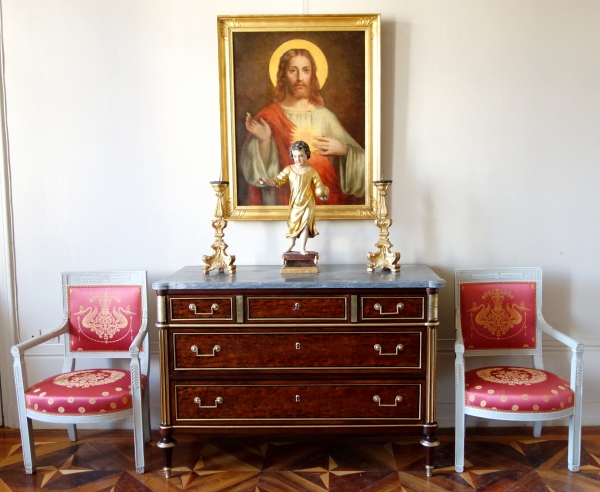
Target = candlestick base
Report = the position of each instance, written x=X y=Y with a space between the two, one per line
x=219 y=260
x=383 y=258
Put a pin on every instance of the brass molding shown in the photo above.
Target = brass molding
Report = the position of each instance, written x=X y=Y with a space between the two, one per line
x=161 y=309
x=165 y=407
x=239 y=308
x=433 y=307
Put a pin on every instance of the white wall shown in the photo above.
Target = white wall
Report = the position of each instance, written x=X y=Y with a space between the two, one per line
x=490 y=131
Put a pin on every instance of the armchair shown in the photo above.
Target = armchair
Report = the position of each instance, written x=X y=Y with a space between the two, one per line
x=499 y=313
x=105 y=317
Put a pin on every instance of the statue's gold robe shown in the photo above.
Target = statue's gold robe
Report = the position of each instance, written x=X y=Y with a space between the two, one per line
x=302 y=199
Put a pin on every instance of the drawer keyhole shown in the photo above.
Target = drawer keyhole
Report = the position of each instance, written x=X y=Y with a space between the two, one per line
x=298 y=346
x=297 y=307
x=297 y=397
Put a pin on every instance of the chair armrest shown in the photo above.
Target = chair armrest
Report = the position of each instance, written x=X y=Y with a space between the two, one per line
x=560 y=336
x=136 y=345
x=20 y=348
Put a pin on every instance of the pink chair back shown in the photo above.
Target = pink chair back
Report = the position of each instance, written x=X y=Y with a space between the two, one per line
x=103 y=318
x=498 y=315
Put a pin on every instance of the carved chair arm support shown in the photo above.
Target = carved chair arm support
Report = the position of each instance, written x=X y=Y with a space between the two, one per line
x=136 y=345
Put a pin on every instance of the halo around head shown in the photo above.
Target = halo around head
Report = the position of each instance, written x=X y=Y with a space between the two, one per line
x=315 y=51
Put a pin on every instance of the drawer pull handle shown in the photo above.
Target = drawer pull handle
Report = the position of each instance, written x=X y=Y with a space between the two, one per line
x=399 y=347
x=213 y=308
x=216 y=348
x=397 y=400
x=218 y=400
x=379 y=308
x=297 y=397
x=297 y=307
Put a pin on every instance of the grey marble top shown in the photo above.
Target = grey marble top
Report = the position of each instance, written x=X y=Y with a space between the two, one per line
x=329 y=277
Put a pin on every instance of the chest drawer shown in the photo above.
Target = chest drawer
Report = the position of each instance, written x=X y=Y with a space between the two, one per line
x=255 y=403
x=201 y=309
x=397 y=350
x=392 y=308
x=297 y=308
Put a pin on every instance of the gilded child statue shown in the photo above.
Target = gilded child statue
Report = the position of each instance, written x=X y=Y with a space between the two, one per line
x=302 y=178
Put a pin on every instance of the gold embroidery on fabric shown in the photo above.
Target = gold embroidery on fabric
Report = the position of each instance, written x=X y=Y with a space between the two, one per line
x=513 y=376
x=497 y=321
x=105 y=324
x=85 y=379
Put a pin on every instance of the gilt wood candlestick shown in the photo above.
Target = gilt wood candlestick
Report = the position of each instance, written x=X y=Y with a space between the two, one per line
x=383 y=258
x=220 y=260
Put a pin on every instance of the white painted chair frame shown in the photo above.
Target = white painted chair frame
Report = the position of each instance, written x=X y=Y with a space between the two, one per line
x=576 y=376
x=139 y=365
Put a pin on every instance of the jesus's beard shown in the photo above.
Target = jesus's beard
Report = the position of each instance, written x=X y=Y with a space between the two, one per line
x=299 y=91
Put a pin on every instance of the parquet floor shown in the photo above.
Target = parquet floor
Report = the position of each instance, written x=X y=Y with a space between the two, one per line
x=506 y=460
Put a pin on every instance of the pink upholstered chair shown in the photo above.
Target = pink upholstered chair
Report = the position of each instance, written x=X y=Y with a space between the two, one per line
x=105 y=317
x=499 y=313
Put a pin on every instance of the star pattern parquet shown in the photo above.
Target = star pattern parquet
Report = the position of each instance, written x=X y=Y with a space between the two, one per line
x=497 y=460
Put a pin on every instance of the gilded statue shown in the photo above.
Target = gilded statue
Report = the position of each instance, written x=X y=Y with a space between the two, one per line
x=302 y=177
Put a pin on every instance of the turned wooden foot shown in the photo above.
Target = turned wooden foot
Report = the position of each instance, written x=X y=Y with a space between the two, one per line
x=166 y=443
x=430 y=442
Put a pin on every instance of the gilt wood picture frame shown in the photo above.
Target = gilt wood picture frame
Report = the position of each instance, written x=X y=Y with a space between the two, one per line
x=329 y=67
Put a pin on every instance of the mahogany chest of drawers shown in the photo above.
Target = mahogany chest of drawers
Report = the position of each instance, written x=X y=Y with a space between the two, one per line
x=344 y=351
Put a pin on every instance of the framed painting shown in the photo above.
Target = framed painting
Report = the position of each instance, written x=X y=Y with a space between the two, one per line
x=311 y=78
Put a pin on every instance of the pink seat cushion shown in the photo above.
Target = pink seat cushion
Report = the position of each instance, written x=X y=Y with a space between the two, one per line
x=517 y=390
x=85 y=392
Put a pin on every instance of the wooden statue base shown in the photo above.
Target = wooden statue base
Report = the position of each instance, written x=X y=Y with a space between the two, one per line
x=295 y=262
